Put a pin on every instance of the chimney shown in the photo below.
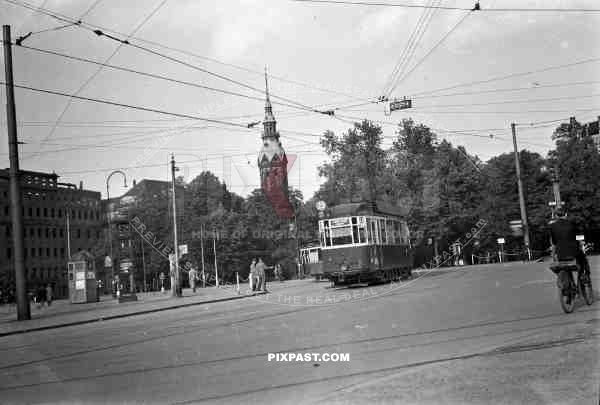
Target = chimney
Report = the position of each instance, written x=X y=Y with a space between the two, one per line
x=81 y=185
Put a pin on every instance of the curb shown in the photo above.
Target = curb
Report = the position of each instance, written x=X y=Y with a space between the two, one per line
x=106 y=318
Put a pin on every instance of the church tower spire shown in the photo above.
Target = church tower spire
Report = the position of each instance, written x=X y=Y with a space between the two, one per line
x=272 y=161
x=269 y=123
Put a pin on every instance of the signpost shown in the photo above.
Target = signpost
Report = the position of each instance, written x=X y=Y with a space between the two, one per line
x=162 y=282
x=183 y=250
x=400 y=104
x=501 y=252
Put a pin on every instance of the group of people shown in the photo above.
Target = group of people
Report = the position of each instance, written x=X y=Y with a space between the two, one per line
x=257 y=277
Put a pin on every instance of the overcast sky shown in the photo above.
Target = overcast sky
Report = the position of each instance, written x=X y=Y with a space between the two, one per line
x=329 y=55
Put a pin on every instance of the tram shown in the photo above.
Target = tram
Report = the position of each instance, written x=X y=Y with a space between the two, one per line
x=363 y=243
x=310 y=260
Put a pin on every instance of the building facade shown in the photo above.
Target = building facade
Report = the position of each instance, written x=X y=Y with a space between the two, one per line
x=59 y=219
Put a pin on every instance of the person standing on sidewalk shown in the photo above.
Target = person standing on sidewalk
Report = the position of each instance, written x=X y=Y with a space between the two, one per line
x=252 y=275
x=260 y=271
x=49 y=294
x=193 y=274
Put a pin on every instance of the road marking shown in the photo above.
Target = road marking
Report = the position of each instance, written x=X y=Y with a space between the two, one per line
x=533 y=282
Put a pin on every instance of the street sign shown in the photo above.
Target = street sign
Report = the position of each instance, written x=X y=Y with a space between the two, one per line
x=321 y=205
x=580 y=237
x=162 y=276
x=500 y=241
x=107 y=261
x=400 y=104
x=183 y=249
x=516 y=227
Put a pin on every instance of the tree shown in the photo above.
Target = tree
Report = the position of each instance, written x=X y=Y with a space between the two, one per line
x=357 y=163
x=578 y=163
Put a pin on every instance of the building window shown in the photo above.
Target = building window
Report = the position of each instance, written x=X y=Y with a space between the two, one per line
x=39 y=232
x=89 y=234
x=59 y=213
x=85 y=215
x=55 y=252
x=47 y=233
x=37 y=212
x=33 y=272
x=8 y=231
x=40 y=252
x=52 y=213
x=97 y=234
x=9 y=253
x=61 y=232
x=79 y=234
x=30 y=211
x=32 y=252
x=48 y=252
x=45 y=212
x=31 y=233
x=53 y=233
x=62 y=252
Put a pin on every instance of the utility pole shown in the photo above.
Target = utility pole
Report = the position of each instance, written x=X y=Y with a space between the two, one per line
x=176 y=287
x=68 y=212
x=16 y=200
x=202 y=251
x=521 y=197
x=143 y=261
x=215 y=249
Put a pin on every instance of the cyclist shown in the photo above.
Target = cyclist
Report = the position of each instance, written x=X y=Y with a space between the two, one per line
x=563 y=237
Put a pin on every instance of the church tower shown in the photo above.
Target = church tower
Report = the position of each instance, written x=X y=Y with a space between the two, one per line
x=272 y=161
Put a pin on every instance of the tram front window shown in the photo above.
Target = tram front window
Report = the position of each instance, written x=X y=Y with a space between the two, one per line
x=341 y=236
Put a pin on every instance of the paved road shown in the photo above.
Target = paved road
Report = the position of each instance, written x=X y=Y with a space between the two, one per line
x=487 y=334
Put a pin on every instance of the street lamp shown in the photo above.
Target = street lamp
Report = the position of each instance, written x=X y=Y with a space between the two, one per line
x=112 y=265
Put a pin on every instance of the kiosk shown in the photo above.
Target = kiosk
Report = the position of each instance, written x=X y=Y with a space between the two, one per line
x=83 y=286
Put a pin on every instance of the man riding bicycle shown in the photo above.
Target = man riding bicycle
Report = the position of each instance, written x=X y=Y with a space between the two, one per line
x=563 y=237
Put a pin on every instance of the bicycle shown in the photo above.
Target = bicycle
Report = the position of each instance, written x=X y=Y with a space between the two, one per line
x=568 y=289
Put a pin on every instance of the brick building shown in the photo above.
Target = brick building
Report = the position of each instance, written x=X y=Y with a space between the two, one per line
x=46 y=203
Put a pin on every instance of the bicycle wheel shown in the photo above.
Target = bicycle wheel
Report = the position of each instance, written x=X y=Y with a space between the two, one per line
x=585 y=286
x=565 y=294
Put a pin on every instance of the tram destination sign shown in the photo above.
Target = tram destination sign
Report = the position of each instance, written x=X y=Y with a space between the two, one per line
x=339 y=221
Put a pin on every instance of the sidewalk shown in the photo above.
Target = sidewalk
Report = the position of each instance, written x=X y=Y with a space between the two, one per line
x=62 y=313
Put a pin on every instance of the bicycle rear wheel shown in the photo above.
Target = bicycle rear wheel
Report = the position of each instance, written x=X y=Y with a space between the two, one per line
x=565 y=293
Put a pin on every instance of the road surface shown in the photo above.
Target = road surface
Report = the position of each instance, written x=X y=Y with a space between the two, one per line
x=479 y=334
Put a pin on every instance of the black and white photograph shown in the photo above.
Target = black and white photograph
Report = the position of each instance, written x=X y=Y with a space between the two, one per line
x=300 y=202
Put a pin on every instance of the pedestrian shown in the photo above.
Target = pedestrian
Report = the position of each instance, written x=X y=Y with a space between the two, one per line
x=49 y=294
x=260 y=271
x=40 y=296
x=252 y=275
x=193 y=273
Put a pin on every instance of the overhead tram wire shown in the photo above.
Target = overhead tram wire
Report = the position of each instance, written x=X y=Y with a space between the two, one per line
x=97 y=72
x=509 y=76
x=155 y=76
x=468 y=93
x=93 y=27
x=437 y=44
x=477 y=5
x=99 y=30
x=414 y=40
x=116 y=104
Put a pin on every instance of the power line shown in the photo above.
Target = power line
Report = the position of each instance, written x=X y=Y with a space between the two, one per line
x=477 y=6
x=97 y=72
x=410 y=47
x=431 y=50
x=113 y=103
x=512 y=75
x=154 y=76
x=509 y=89
x=380 y=4
x=89 y=26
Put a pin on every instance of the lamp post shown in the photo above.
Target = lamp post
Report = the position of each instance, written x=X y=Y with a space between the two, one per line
x=112 y=265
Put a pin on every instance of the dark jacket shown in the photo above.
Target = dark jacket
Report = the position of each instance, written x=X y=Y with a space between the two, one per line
x=563 y=235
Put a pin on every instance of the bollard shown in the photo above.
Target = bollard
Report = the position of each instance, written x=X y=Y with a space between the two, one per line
x=237 y=278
